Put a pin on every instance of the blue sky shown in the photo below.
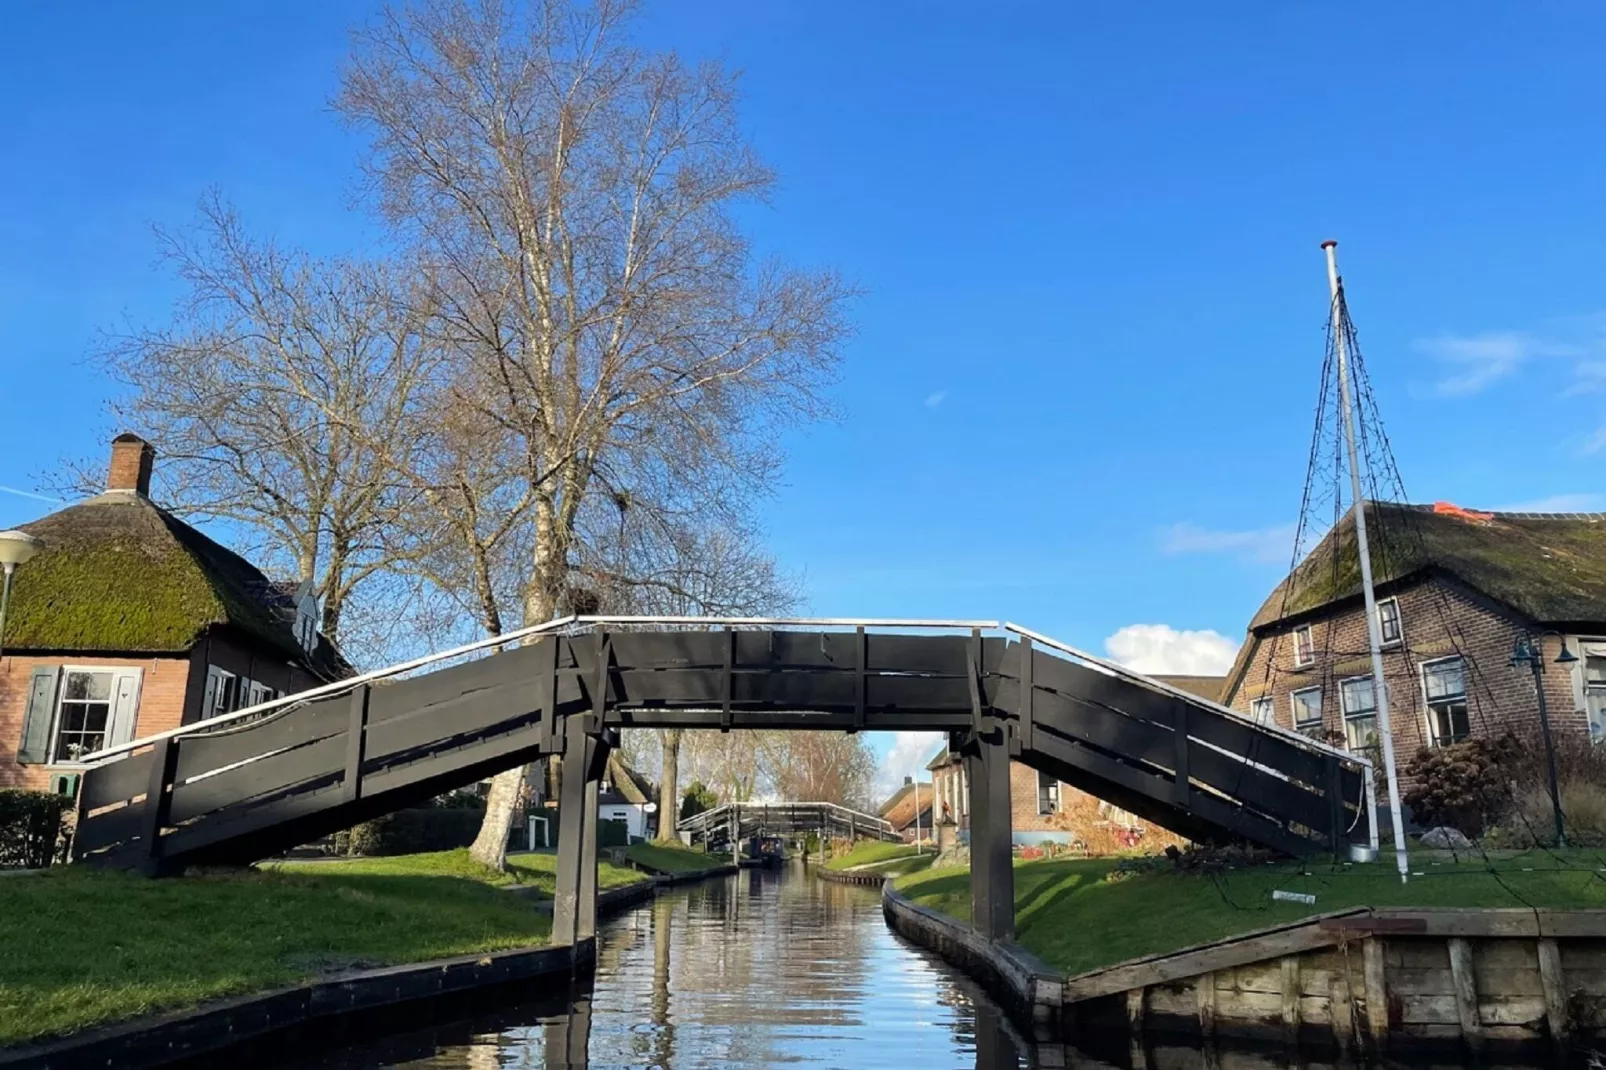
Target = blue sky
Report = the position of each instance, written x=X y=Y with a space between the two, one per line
x=1081 y=390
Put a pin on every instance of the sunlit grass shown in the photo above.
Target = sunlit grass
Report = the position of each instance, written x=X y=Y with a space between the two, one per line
x=867 y=852
x=672 y=858
x=1081 y=915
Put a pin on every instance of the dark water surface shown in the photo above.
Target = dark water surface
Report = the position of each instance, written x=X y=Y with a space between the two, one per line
x=765 y=968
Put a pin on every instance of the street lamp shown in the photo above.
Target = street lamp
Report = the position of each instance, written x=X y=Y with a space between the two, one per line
x=16 y=548
x=1528 y=650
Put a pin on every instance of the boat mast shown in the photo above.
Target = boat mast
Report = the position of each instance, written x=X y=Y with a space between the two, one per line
x=1374 y=629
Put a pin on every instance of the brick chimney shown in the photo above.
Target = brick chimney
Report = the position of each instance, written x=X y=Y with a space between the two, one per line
x=132 y=458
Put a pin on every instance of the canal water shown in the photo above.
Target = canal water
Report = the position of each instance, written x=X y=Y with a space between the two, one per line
x=763 y=968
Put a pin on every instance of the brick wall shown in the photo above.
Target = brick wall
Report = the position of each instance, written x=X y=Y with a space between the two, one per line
x=161 y=704
x=1438 y=619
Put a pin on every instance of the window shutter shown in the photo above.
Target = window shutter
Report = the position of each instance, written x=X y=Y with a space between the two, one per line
x=34 y=748
x=125 y=706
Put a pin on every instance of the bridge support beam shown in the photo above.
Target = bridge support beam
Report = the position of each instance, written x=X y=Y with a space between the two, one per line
x=574 y=907
x=992 y=874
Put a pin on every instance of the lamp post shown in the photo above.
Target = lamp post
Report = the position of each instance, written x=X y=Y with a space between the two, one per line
x=1529 y=651
x=16 y=548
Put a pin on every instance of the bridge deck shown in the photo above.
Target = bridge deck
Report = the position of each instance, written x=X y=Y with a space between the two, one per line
x=244 y=788
x=784 y=818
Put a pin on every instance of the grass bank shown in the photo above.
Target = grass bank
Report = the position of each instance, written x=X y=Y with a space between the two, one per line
x=83 y=947
x=526 y=869
x=1084 y=914
x=870 y=852
x=672 y=858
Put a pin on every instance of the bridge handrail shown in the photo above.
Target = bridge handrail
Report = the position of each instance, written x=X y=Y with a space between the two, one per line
x=706 y=817
x=262 y=710
x=1299 y=739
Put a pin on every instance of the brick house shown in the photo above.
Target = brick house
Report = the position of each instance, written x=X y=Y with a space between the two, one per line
x=130 y=622
x=1456 y=589
x=1043 y=809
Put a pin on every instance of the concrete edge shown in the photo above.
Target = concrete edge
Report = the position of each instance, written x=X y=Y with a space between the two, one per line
x=849 y=876
x=160 y=1039
x=1031 y=990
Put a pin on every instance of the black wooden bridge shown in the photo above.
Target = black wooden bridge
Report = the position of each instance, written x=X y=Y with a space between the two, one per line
x=717 y=827
x=247 y=786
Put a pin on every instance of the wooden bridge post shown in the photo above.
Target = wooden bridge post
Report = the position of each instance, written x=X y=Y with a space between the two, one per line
x=992 y=873
x=574 y=906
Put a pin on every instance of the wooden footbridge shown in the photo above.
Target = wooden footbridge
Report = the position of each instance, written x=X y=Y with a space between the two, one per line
x=243 y=787
x=718 y=826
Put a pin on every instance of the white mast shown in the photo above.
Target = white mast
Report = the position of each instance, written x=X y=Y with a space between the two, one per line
x=1374 y=630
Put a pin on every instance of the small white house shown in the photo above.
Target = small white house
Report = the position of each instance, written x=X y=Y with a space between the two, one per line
x=624 y=796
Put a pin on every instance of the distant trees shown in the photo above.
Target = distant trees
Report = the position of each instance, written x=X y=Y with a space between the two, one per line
x=563 y=383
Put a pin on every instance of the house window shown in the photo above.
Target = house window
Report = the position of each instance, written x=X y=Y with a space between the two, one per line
x=1388 y=620
x=1048 y=794
x=1595 y=689
x=227 y=692
x=260 y=693
x=1444 y=685
x=1263 y=710
x=1304 y=646
x=1307 y=705
x=83 y=716
x=1358 y=698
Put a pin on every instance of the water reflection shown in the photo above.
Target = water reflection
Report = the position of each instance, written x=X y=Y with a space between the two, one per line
x=764 y=969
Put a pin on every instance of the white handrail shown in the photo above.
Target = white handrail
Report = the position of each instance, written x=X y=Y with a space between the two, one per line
x=101 y=757
x=824 y=622
x=1150 y=682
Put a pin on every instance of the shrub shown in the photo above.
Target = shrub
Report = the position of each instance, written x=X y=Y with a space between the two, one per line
x=697 y=798
x=405 y=832
x=33 y=831
x=1466 y=785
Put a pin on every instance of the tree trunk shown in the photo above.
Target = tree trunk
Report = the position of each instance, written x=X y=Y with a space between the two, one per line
x=669 y=785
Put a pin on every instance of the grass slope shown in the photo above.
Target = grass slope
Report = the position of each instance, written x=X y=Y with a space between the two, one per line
x=537 y=869
x=672 y=858
x=83 y=947
x=1075 y=917
x=867 y=852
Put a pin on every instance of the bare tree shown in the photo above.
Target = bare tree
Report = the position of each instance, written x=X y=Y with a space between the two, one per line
x=575 y=199
x=819 y=767
x=265 y=393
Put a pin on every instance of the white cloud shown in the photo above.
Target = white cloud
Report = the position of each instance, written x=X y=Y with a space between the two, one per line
x=1263 y=545
x=908 y=755
x=1474 y=361
x=1162 y=649
x=936 y=398
x=1585 y=502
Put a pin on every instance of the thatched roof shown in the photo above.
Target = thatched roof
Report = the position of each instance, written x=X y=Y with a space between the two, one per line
x=1550 y=568
x=117 y=574
x=626 y=783
x=900 y=812
x=1208 y=687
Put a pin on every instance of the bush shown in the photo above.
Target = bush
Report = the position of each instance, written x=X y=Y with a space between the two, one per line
x=697 y=798
x=405 y=832
x=1466 y=785
x=33 y=831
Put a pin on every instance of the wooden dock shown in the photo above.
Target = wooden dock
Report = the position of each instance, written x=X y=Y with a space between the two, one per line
x=1370 y=980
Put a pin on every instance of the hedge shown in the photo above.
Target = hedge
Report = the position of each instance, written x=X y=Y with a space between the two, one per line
x=33 y=829
x=405 y=832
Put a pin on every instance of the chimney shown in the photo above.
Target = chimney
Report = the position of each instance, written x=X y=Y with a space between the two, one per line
x=132 y=458
x=908 y=780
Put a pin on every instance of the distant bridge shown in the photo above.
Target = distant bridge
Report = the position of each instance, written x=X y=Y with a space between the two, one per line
x=716 y=827
x=242 y=787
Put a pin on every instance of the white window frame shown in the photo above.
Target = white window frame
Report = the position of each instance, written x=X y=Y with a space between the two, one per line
x=1399 y=623
x=112 y=736
x=1428 y=703
x=1263 y=710
x=1304 y=650
x=258 y=693
x=1590 y=647
x=1294 y=708
x=1349 y=716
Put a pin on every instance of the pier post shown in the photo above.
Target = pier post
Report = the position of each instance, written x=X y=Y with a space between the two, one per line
x=574 y=906
x=992 y=873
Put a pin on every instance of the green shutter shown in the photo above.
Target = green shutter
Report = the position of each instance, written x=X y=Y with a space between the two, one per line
x=34 y=748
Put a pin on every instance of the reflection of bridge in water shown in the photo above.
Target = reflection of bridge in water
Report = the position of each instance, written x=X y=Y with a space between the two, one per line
x=245 y=786
x=742 y=821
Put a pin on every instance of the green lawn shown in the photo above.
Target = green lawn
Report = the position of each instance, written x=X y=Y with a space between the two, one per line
x=83 y=947
x=1073 y=916
x=537 y=869
x=672 y=858
x=867 y=852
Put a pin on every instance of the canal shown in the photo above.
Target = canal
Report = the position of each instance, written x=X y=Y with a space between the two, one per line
x=763 y=968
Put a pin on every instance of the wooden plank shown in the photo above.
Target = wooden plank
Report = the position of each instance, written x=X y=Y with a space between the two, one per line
x=1421 y=981
x=1290 y=997
x=159 y=798
x=208 y=751
x=322 y=761
x=1312 y=1011
x=788 y=720
x=108 y=829
x=356 y=730
x=1204 y=990
x=116 y=782
x=1430 y=1010
x=1485 y=922
x=1375 y=987
x=1553 y=984
x=1218 y=958
x=1463 y=975
x=501 y=707
x=1341 y=1007
x=1504 y=1009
